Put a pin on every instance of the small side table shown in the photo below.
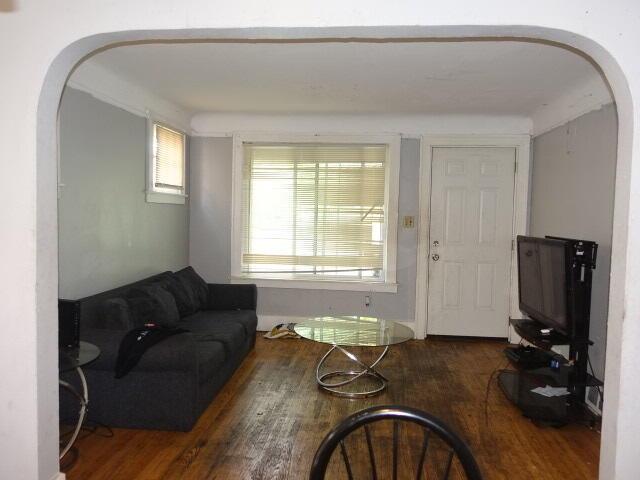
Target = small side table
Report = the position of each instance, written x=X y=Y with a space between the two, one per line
x=75 y=359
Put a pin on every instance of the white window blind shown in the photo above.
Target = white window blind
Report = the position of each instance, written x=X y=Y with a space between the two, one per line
x=314 y=210
x=168 y=160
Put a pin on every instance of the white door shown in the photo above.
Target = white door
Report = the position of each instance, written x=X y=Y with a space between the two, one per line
x=470 y=234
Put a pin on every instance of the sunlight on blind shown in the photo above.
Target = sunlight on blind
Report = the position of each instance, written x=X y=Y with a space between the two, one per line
x=314 y=210
x=168 y=158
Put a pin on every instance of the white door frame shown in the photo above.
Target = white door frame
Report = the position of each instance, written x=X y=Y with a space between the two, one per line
x=520 y=224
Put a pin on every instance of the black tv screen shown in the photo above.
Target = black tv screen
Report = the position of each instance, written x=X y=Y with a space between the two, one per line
x=542 y=281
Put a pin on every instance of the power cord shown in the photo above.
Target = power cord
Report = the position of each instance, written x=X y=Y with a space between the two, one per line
x=92 y=428
x=593 y=374
x=72 y=455
x=600 y=393
x=499 y=369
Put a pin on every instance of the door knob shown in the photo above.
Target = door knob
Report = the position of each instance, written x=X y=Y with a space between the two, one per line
x=435 y=257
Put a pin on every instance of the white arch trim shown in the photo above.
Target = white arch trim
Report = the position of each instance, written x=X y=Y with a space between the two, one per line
x=34 y=238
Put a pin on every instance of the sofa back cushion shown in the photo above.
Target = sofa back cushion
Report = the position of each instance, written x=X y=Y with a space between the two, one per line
x=91 y=308
x=195 y=286
x=115 y=314
x=185 y=301
x=153 y=304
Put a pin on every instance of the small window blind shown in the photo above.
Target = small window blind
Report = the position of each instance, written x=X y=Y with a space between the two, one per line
x=314 y=210
x=168 y=160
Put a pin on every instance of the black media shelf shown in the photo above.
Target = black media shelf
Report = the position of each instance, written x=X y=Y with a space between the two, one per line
x=558 y=377
x=517 y=385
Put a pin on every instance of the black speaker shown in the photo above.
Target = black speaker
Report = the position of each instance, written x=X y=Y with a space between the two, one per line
x=68 y=323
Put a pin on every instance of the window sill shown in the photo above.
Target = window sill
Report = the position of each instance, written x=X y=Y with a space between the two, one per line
x=354 y=286
x=173 y=198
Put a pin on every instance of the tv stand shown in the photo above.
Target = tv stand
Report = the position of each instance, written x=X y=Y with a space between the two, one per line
x=517 y=384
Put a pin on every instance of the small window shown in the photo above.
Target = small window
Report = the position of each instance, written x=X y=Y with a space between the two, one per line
x=315 y=211
x=167 y=165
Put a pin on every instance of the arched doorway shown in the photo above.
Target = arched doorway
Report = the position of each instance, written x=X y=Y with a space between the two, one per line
x=46 y=174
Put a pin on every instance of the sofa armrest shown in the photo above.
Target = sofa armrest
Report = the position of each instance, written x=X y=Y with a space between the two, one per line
x=224 y=296
x=177 y=353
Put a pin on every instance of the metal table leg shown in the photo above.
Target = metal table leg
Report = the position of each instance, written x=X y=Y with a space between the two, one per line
x=84 y=400
x=368 y=371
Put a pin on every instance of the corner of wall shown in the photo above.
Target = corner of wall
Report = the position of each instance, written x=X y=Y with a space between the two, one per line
x=105 y=85
x=590 y=95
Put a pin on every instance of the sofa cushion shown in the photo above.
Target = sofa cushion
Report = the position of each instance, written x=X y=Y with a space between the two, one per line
x=204 y=320
x=115 y=314
x=211 y=358
x=153 y=304
x=137 y=342
x=195 y=286
x=174 y=354
x=184 y=301
x=230 y=334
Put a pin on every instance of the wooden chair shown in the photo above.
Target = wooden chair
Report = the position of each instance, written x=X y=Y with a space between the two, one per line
x=450 y=447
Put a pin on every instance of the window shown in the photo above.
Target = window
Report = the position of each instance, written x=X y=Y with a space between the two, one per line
x=166 y=165
x=316 y=211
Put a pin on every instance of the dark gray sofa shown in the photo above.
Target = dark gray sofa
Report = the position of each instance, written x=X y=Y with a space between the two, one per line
x=176 y=379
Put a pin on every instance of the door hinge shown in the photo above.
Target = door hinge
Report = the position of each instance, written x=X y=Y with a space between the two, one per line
x=513 y=245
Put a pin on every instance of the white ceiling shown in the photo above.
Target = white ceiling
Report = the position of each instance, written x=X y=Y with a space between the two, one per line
x=487 y=77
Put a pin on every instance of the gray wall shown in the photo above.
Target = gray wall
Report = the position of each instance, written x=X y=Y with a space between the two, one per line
x=572 y=190
x=211 y=162
x=108 y=233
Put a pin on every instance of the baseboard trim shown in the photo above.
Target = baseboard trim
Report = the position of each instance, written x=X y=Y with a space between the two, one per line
x=59 y=476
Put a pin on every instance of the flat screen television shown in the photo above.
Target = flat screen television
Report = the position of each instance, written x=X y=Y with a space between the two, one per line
x=543 y=283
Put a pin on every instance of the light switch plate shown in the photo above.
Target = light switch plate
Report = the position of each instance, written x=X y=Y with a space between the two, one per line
x=408 y=221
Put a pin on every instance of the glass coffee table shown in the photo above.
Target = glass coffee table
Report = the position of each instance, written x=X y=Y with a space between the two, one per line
x=353 y=331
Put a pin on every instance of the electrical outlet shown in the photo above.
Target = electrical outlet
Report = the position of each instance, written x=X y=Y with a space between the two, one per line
x=408 y=221
x=367 y=301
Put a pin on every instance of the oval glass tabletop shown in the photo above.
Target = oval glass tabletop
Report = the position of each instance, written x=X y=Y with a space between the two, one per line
x=354 y=331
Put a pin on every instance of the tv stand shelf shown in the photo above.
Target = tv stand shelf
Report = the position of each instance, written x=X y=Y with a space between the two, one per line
x=517 y=384
x=530 y=331
x=557 y=377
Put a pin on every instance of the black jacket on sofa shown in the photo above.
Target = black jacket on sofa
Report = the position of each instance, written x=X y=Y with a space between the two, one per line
x=176 y=379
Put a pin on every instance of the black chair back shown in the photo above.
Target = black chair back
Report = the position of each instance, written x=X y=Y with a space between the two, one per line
x=450 y=447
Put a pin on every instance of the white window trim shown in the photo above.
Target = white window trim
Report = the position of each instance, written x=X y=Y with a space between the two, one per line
x=391 y=213
x=153 y=194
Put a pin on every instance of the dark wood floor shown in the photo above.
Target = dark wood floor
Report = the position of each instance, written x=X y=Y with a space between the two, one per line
x=269 y=419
